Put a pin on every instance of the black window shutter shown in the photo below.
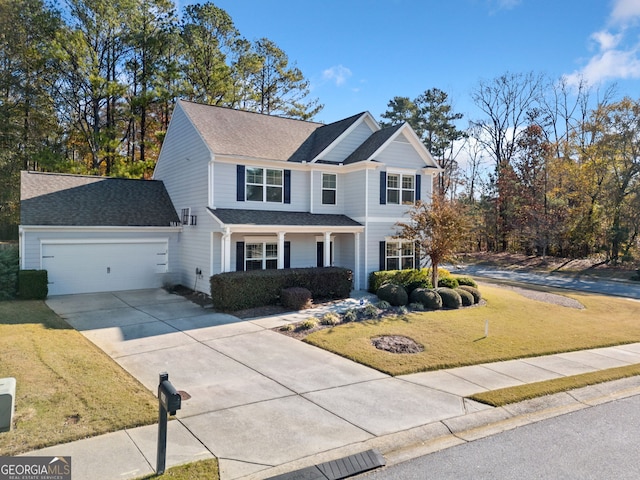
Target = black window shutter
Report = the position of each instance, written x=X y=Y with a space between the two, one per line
x=320 y=254
x=383 y=188
x=418 y=184
x=240 y=183
x=287 y=254
x=287 y=186
x=383 y=256
x=239 y=256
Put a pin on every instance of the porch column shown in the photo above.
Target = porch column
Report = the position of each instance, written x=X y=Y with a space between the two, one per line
x=327 y=249
x=280 y=250
x=225 y=246
x=356 y=269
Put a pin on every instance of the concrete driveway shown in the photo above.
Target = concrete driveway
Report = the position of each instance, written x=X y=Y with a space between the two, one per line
x=258 y=399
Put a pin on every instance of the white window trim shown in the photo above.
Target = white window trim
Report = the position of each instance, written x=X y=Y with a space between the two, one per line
x=265 y=258
x=323 y=188
x=399 y=257
x=401 y=173
x=264 y=184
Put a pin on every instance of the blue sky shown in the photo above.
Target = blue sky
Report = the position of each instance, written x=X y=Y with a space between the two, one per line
x=358 y=54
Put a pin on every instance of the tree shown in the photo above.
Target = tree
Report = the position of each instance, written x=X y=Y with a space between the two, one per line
x=280 y=88
x=431 y=117
x=29 y=132
x=438 y=228
x=209 y=38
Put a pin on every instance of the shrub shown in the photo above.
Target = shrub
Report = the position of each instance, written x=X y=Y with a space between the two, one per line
x=9 y=266
x=287 y=328
x=467 y=297
x=296 y=298
x=430 y=299
x=383 y=305
x=330 y=318
x=350 y=315
x=33 y=284
x=636 y=276
x=448 y=282
x=370 y=311
x=468 y=281
x=477 y=296
x=410 y=279
x=396 y=295
x=232 y=291
x=450 y=298
x=417 y=306
x=307 y=324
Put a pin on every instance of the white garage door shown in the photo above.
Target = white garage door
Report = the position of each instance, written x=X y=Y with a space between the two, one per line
x=103 y=267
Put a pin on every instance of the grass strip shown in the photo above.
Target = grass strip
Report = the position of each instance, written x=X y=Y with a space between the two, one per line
x=505 y=396
x=189 y=471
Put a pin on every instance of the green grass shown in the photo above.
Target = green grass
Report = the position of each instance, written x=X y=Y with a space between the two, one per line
x=66 y=388
x=202 y=469
x=504 y=396
x=518 y=327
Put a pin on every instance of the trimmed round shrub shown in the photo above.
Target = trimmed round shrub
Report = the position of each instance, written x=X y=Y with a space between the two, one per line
x=450 y=298
x=477 y=296
x=467 y=297
x=448 y=282
x=417 y=306
x=396 y=295
x=296 y=298
x=468 y=281
x=428 y=298
x=383 y=305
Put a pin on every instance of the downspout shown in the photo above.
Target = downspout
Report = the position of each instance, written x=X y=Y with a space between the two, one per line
x=363 y=271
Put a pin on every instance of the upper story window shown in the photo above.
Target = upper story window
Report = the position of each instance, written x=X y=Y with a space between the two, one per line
x=264 y=185
x=329 y=188
x=400 y=189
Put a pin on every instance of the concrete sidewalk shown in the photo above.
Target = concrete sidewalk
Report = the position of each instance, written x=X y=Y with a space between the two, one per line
x=265 y=404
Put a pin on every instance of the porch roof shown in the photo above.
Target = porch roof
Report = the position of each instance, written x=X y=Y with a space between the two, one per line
x=272 y=218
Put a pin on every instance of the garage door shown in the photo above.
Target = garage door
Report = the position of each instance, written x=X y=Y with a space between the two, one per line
x=103 y=267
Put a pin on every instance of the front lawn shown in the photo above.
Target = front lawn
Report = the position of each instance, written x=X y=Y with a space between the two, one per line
x=518 y=327
x=66 y=388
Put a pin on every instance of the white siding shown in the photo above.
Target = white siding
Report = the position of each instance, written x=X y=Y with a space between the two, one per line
x=348 y=145
x=401 y=155
x=354 y=191
x=183 y=166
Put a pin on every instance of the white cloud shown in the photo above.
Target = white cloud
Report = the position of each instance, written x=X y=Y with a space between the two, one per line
x=625 y=11
x=618 y=49
x=606 y=40
x=338 y=74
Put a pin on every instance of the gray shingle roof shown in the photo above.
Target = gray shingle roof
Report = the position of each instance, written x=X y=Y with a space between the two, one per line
x=371 y=144
x=270 y=217
x=236 y=132
x=322 y=138
x=70 y=200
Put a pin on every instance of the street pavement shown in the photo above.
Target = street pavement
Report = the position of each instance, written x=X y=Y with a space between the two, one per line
x=265 y=404
x=569 y=281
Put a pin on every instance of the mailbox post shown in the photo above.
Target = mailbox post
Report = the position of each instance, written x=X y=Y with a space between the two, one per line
x=169 y=400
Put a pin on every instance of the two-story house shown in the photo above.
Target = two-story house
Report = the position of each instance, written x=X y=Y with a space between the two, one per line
x=254 y=191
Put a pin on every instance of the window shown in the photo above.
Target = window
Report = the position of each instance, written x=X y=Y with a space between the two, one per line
x=264 y=185
x=399 y=255
x=400 y=189
x=261 y=256
x=185 y=216
x=328 y=188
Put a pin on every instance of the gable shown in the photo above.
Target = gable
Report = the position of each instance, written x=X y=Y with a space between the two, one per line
x=76 y=200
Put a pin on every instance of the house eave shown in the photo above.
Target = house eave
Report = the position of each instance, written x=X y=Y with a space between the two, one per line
x=100 y=228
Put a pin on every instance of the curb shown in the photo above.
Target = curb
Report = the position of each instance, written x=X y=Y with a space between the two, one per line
x=426 y=439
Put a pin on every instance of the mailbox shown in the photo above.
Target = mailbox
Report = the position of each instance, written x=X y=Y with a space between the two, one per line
x=169 y=397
